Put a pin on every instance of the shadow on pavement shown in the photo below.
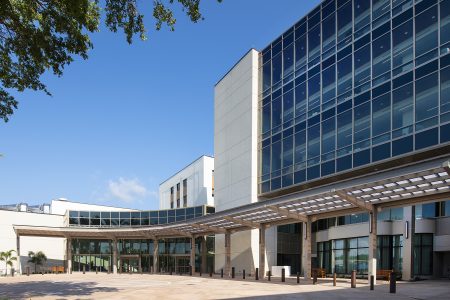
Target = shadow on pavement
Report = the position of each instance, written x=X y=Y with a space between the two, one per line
x=30 y=289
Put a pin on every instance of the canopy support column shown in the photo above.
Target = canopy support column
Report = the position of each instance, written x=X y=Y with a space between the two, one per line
x=373 y=244
x=306 y=249
x=262 y=251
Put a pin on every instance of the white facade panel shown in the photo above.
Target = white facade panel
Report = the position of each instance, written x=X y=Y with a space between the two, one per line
x=200 y=184
x=236 y=159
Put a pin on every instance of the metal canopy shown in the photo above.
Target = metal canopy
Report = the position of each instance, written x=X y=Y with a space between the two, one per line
x=424 y=182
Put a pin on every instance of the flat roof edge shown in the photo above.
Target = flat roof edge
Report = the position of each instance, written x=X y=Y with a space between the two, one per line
x=239 y=60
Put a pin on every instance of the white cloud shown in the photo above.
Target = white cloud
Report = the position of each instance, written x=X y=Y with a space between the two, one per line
x=128 y=190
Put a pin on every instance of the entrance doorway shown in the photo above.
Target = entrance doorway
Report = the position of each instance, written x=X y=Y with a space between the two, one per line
x=129 y=264
x=182 y=264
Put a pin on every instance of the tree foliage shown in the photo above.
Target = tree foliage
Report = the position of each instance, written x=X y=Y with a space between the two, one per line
x=37 y=259
x=41 y=35
x=8 y=258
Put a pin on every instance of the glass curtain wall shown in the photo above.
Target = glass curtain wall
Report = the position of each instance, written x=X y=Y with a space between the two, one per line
x=289 y=246
x=351 y=254
x=91 y=255
x=389 y=252
x=423 y=254
x=352 y=83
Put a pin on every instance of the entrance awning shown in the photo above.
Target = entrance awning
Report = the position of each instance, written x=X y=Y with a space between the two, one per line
x=417 y=183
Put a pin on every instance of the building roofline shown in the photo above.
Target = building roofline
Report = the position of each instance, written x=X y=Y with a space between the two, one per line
x=229 y=70
x=84 y=203
x=197 y=159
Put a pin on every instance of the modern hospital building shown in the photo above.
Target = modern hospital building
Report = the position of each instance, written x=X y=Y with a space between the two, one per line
x=331 y=152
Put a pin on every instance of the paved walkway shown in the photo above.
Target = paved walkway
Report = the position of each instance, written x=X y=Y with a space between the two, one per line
x=136 y=286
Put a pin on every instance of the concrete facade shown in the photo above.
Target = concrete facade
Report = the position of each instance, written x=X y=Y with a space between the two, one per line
x=235 y=151
x=200 y=184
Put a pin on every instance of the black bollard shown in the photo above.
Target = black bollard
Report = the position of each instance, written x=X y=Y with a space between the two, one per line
x=243 y=274
x=372 y=282
x=334 y=279
x=283 y=272
x=270 y=274
x=221 y=273
x=392 y=283
x=210 y=272
x=170 y=271
x=84 y=269
x=257 y=274
x=315 y=277
x=298 y=277
x=353 y=280
x=232 y=272
x=200 y=273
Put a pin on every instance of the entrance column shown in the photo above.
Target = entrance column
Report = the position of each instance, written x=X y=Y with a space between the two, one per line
x=69 y=255
x=306 y=249
x=114 y=264
x=373 y=216
x=204 y=253
x=155 y=256
x=262 y=251
x=228 y=254
x=409 y=217
x=19 y=265
x=192 y=260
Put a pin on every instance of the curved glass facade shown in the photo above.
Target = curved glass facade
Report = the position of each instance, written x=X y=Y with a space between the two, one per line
x=136 y=218
x=354 y=82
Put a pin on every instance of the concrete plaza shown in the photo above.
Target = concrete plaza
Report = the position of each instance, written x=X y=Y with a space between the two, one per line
x=136 y=286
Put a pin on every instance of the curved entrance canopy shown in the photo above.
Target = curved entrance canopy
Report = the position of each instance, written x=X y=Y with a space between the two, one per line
x=418 y=183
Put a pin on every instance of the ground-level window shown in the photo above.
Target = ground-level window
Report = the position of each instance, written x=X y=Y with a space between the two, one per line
x=423 y=254
x=389 y=252
x=351 y=254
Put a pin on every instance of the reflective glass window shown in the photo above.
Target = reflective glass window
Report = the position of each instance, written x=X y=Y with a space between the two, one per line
x=314 y=42
x=328 y=33
x=381 y=118
x=328 y=135
x=276 y=112
x=381 y=55
x=427 y=97
x=276 y=68
x=402 y=107
x=380 y=8
x=362 y=122
x=445 y=91
x=300 y=51
x=344 y=21
x=276 y=156
x=288 y=155
x=267 y=76
x=300 y=147
x=445 y=21
x=344 y=71
x=288 y=60
x=426 y=31
x=402 y=40
x=362 y=16
x=288 y=106
x=313 y=141
x=300 y=99
x=362 y=65
x=328 y=84
x=344 y=129
x=266 y=112
x=314 y=92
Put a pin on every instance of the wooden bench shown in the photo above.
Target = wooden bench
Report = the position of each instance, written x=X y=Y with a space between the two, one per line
x=321 y=272
x=384 y=274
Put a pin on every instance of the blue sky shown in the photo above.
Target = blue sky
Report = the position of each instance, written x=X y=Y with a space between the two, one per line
x=130 y=116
